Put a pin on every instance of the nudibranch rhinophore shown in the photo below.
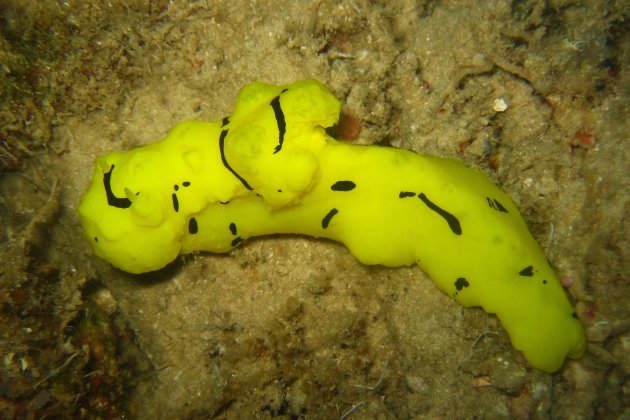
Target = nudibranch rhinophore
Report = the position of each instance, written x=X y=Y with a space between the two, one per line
x=270 y=167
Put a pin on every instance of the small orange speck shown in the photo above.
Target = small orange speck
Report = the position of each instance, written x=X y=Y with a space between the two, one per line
x=196 y=63
x=347 y=128
x=583 y=138
x=482 y=381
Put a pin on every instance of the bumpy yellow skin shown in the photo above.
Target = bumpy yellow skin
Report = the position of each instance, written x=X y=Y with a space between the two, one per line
x=271 y=168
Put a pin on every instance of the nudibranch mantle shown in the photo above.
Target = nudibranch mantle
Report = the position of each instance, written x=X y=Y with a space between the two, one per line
x=271 y=167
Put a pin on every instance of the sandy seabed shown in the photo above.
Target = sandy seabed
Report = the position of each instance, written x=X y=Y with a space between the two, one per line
x=533 y=93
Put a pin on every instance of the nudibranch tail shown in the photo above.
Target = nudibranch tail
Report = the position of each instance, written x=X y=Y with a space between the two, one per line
x=271 y=168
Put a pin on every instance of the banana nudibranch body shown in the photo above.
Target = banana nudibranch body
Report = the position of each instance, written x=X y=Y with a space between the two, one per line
x=271 y=168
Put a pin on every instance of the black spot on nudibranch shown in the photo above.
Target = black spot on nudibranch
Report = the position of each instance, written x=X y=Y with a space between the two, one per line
x=175 y=202
x=574 y=315
x=225 y=121
x=527 y=271
x=112 y=200
x=326 y=220
x=280 y=121
x=544 y=282
x=233 y=231
x=225 y=162
x=343 y=186
x=186 y=183
x=406 y=194
x=460 y=284
x=452 y=221
x=176 y=187
x=96 y=239
x=192 y=226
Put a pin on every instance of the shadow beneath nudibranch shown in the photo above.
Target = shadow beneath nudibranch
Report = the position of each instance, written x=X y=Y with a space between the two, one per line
x=154 y=278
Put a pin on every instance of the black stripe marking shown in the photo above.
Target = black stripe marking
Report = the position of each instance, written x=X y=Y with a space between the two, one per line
x=527 y=271
x=282 y=125
x=343 y=186
x=226 y=164
x=233 y=228
x=236 y=241
x=192 y=226
x=112 y=200
x=226 y=121
x=175 y=202
x=496 y=205
x=405 y=194
x=328 y=217
x=500 y=206
x=452 y=221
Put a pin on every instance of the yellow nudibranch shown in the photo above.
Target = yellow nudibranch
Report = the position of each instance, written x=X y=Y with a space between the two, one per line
x=271 y=168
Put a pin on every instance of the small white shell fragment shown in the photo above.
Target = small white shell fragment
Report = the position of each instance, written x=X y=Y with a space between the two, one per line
x=499 y=105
